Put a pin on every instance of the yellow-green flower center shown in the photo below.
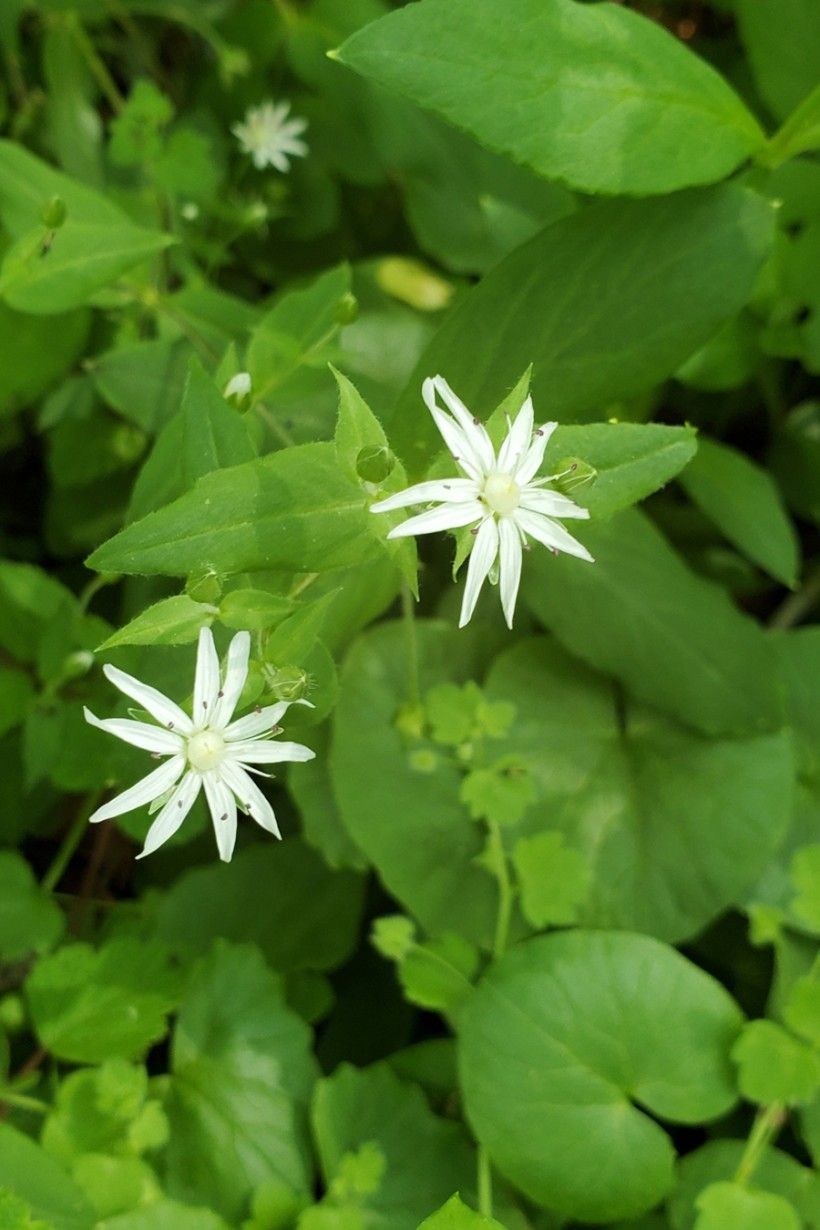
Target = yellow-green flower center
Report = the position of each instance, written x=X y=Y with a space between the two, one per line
x=205 y=750
x=502 y=494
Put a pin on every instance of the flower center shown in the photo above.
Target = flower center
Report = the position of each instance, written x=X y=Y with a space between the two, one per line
x=502 y=494
x=205 y=750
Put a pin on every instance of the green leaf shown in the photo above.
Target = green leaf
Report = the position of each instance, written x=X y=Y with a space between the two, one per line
x=254 y=609
x=30 y=922
x=784 y=55
x=50 y=272
x=34 y=353
x=560 y=1038
x=499 y=793
x=17 y=691
x=744 y=503
x=774 y=1066
x=427 y=1158
x=135 y=131
x=293 y=511
x=647 y=803
x=28 y=1172
x=673 y=639
x=805 y=874
x=241 y=1077
x=297 y=332
x=165 y=1215
x=171 y=621
x=553 y=878
x=567 y=302
x=292 y=640
x=30 y=601
x=104 y=1110
x=719 y=1159
x=728 y=1206
x=799 y=134
x=456 y=1215
x=214 y=435
x=795 y=459
x=646 y=115
x=801 y=1011
x=89 y=1006
x=310 y=920
x=143 y=381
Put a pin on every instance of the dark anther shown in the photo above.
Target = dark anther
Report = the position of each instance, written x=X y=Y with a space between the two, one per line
x=475 y=530
x=539 y=431
x=477 y=421
x=170 y=725
x=220 y=694
x=224 y=816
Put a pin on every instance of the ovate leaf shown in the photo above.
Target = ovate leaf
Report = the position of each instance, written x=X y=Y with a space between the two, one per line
x=30 y=921
x=213 y=434
x=729 y=1206
x=171 y=621
x=572 y=303
x=560 y=1040
x=612 y=102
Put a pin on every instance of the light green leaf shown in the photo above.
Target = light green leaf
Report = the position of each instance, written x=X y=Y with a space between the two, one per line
x=171 y=621
x=28 y=1172
x=310 y=920
x=774 y=1066
x=292 y=640
x=799 y=134
x=254 y=609
x=572 y=303
x=728 y=1206
x=456 y=1215
x=242 y=1072
x=30 y=921
x=801 y=1011
x=613 y=103
x=52 y=271
x=213 y=433
x=560 y=1038
x=719 y=1160
x=784 y=55
x=89 y=1006
x=673 y=639
x=645 y=801
x=293 y=511
x=744 y=503
x=104 y=1110
x=553 y=878
x=427 y=1158
x=143 y=381
x=165 y=1215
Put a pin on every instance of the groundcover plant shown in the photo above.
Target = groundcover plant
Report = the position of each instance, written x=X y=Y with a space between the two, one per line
x=409 y=659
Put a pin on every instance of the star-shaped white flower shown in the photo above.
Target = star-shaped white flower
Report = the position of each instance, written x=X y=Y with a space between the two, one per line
x=270 y=137
x=207 y=752
x=498 y=494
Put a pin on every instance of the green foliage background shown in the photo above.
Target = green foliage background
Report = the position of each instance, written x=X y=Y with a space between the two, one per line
x=539 y=948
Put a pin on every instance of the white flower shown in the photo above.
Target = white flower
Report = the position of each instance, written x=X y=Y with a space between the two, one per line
x=270 y=137
x=499 y=495
x=207 y=752
x=238 y=386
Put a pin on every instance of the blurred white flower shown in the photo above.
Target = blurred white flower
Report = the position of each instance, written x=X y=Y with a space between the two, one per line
x=270 y=137
x=238 y=386
x=499 y=495
x=207 y=752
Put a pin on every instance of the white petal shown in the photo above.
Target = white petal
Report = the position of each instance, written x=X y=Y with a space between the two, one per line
x=550 y=533
x=222 y=806
x=264 y=751
x=249 y=795
x=445 y=517
x=206 y=680
x=257 y=723
x=173 y=813
x=509 y=551
x=482 y=558
x=138 y=734
x=473 y=428
x=447 y=490
x=236 y=672
x=534 y=456
x=159 y=706
x=142 y=792
x=514 y=448
x=552 y=504
x=460 y=448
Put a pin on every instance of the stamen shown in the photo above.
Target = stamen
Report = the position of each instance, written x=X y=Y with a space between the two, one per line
x=170 y=725
x=220 y=694
x=224 y=816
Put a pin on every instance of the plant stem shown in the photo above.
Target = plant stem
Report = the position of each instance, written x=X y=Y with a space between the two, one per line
x=98 y=69
x=766 y=1126
x=409 y=616
x=485 y=1183
x=792 y=610
x=505 y=891
x=70 y=842
x=22 y=1101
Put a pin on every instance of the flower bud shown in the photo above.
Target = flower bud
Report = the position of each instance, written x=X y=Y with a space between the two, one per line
x=53 y=213
x=374 y=462
x=287 y=682
x=574 y=473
